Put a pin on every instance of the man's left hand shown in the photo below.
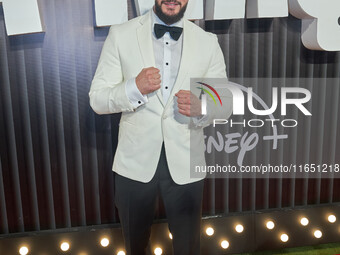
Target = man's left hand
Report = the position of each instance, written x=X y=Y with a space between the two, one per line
x=188 y=104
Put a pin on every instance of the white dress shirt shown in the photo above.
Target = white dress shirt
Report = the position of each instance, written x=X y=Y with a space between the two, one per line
x=167 y=54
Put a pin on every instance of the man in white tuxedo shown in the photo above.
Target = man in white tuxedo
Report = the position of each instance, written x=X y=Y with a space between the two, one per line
x=144 y=72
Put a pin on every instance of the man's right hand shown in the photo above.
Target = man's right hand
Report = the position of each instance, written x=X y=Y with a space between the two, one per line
x=148 y=80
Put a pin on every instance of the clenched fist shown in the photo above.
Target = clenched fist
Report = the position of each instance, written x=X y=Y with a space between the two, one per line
x=148 y=80
x=188 y=104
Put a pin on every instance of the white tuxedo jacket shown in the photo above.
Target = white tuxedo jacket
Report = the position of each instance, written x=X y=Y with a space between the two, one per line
x=127 y=50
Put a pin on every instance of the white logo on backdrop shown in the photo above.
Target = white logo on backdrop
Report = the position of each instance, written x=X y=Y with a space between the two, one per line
x=320 y=18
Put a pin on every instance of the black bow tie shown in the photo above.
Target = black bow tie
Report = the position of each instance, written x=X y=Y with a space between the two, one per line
x=160 y=30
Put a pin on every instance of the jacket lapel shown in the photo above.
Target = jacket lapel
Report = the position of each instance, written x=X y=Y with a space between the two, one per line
x=188 y=50
x=144 y=36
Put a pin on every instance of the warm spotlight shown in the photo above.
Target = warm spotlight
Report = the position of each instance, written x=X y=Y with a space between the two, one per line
x=270 y=224
x=121 y=253
x=284 y=238
x=304 y=221
x=158 y=251
x=225 y=244
x=317 y=234
x=104 y=242
x=170 y=236
x=239 y=228
x=209 y=231
x=65 y=246
x=331 y=218
x=23 y=250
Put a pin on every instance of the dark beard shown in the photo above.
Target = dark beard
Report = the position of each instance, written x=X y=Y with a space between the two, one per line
x=169 y=19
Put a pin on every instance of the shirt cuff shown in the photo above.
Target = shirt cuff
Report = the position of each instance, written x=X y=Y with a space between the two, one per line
x=135 y=97
x=199 y=121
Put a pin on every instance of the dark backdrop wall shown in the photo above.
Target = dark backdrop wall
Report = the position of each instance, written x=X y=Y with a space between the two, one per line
x=56 y=153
